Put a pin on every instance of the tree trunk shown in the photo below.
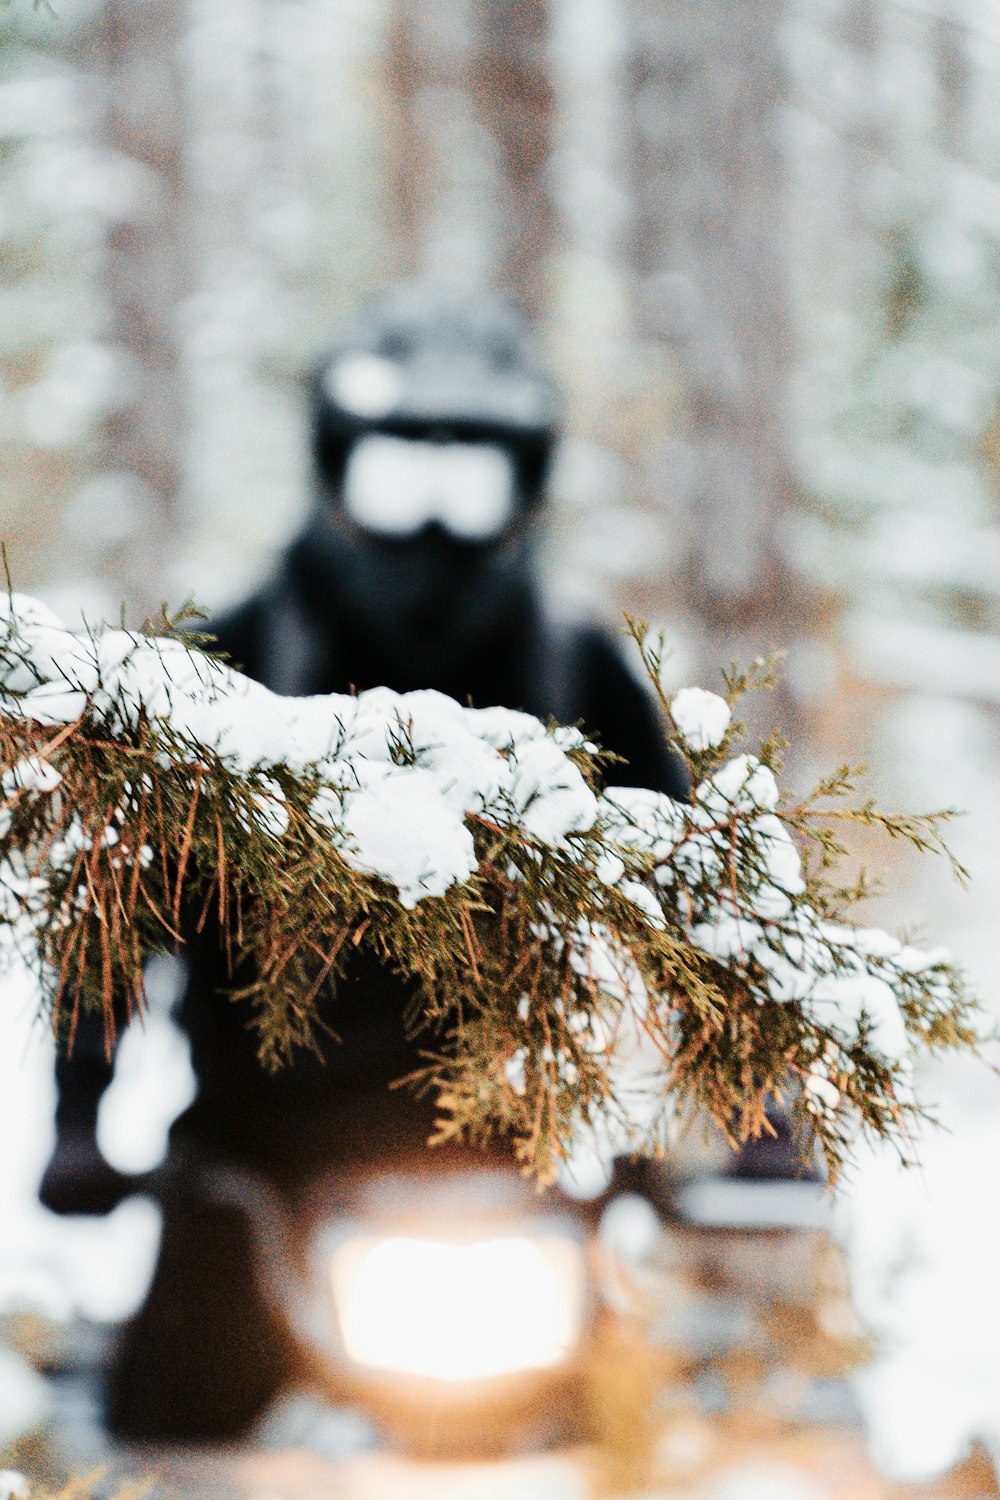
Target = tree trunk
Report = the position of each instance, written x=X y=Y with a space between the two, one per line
x=707 y=253
x=138 y=44
x=513 y=95
x=471 y=99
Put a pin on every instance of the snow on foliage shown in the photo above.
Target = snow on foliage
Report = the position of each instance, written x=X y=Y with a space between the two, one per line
x=701 y=719
x=592 y=959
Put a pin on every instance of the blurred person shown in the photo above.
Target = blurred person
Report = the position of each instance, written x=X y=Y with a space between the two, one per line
x=433 y=427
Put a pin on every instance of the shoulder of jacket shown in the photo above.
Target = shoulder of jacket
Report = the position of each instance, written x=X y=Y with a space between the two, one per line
x=611 y=652
x=238 y=628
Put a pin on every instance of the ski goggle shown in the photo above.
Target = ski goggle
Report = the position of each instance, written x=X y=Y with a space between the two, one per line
x=395 y=487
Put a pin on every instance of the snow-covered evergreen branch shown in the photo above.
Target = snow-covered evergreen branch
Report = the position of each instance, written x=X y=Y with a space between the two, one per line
x=592 y=962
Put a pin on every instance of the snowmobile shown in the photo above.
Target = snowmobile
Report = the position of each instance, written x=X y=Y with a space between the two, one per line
x=454 y=1306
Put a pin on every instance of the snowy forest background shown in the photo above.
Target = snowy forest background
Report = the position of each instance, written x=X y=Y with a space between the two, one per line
x=762 y=243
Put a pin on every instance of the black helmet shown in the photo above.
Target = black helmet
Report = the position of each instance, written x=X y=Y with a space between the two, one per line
x=423 y=362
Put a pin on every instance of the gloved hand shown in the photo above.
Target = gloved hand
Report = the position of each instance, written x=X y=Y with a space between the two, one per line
x=78 y=1180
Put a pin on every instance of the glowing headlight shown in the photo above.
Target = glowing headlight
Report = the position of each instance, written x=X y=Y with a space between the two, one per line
x=467 y=1310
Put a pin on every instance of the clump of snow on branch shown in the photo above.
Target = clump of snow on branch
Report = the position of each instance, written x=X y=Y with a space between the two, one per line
x=684 y=949
x=701 y=718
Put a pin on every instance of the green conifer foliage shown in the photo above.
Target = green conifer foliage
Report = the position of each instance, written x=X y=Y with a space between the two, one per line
x=594 y=964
